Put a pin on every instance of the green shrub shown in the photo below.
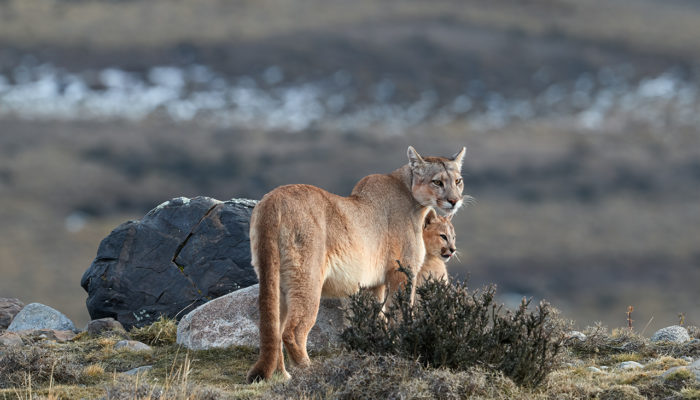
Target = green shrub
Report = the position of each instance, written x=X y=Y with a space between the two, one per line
x=448 y=326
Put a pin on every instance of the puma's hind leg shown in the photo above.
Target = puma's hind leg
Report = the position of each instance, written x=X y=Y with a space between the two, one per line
x=303 y=302
x=280 y=360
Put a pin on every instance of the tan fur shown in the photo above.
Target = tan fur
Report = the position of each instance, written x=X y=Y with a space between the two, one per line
x=307 y=243
x=438 y=249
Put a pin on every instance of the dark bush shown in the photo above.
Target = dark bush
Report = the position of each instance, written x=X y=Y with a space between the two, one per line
x=448 y=326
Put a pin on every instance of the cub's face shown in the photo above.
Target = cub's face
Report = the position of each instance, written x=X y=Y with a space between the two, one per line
x=439 y=236
x=437 y=181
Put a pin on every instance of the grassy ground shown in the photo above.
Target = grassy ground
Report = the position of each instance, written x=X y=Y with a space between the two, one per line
x=90 y=367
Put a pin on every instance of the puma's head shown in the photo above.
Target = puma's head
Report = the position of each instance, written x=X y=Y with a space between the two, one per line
x=439 y=236
x=437 y=181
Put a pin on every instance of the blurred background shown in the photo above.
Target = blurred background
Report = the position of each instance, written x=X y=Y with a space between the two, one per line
x=581 y=118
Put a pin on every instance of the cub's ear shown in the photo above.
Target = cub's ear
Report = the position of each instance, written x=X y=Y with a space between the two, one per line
x=448 y=217
x=414 y=159
x=430 y=217
x=459 y=157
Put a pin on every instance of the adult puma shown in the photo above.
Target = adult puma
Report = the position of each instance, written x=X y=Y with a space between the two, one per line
x=439 y=239
x=307 y=243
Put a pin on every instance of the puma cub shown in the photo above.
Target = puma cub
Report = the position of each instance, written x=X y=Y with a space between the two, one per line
x=307 y=243
x=439 y=239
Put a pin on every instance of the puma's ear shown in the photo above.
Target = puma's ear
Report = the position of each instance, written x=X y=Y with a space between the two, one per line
x=430 y=217
x=414 y=159
x=459 y=157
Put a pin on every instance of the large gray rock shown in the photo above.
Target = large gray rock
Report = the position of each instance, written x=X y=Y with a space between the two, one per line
x=182 y=254
x=8 y=309
x=232 y=320
x=37 y=316
x=673 y=334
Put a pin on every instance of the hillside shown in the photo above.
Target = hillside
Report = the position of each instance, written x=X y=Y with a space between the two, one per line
x=580 y=120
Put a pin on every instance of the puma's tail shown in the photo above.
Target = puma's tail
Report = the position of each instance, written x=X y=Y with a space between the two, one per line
x=264 y=245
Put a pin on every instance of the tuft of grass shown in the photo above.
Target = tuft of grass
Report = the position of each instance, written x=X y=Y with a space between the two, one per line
x=621 y=392
x=93 y=371
x=679 y=378
x=161 y=332
x=664 y=363
x=690 y=393
x=448 y=326
x=601 y=344
x=622 y=357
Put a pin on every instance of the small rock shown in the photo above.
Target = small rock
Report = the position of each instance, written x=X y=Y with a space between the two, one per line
x=8 y=339
x=688 y=359
x=594 y=370
x=52 y=334
x=629 y=365
x=99 y=326
x=8 y=309
x=232 y=320
x=132 y=345
x=673 y=334
x=604 y=367
x=576 y=335
x=37 y=316
x=139 y=370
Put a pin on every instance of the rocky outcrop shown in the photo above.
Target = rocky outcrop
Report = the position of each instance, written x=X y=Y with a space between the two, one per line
x=694 y=368
x=232 y=320
x=673 y=334
x=182 y=254
x=8 y=309
x=37 y=316
x=99 y=326
x=132 y=345
x=8 y=339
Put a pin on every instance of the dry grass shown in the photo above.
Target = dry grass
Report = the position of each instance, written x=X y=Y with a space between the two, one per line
x=354 y=376
x=161 y=332
x=90 y=368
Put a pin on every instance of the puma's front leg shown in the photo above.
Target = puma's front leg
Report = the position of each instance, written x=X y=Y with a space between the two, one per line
x=379 y=292
x=396 y=280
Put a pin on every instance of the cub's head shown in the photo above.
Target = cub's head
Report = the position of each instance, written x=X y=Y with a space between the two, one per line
x=437 y=181
x=439 y=236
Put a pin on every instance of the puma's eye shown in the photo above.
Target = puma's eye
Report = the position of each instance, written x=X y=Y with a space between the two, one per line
x=437 y=183
x=443 y=237
x=458 y=181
